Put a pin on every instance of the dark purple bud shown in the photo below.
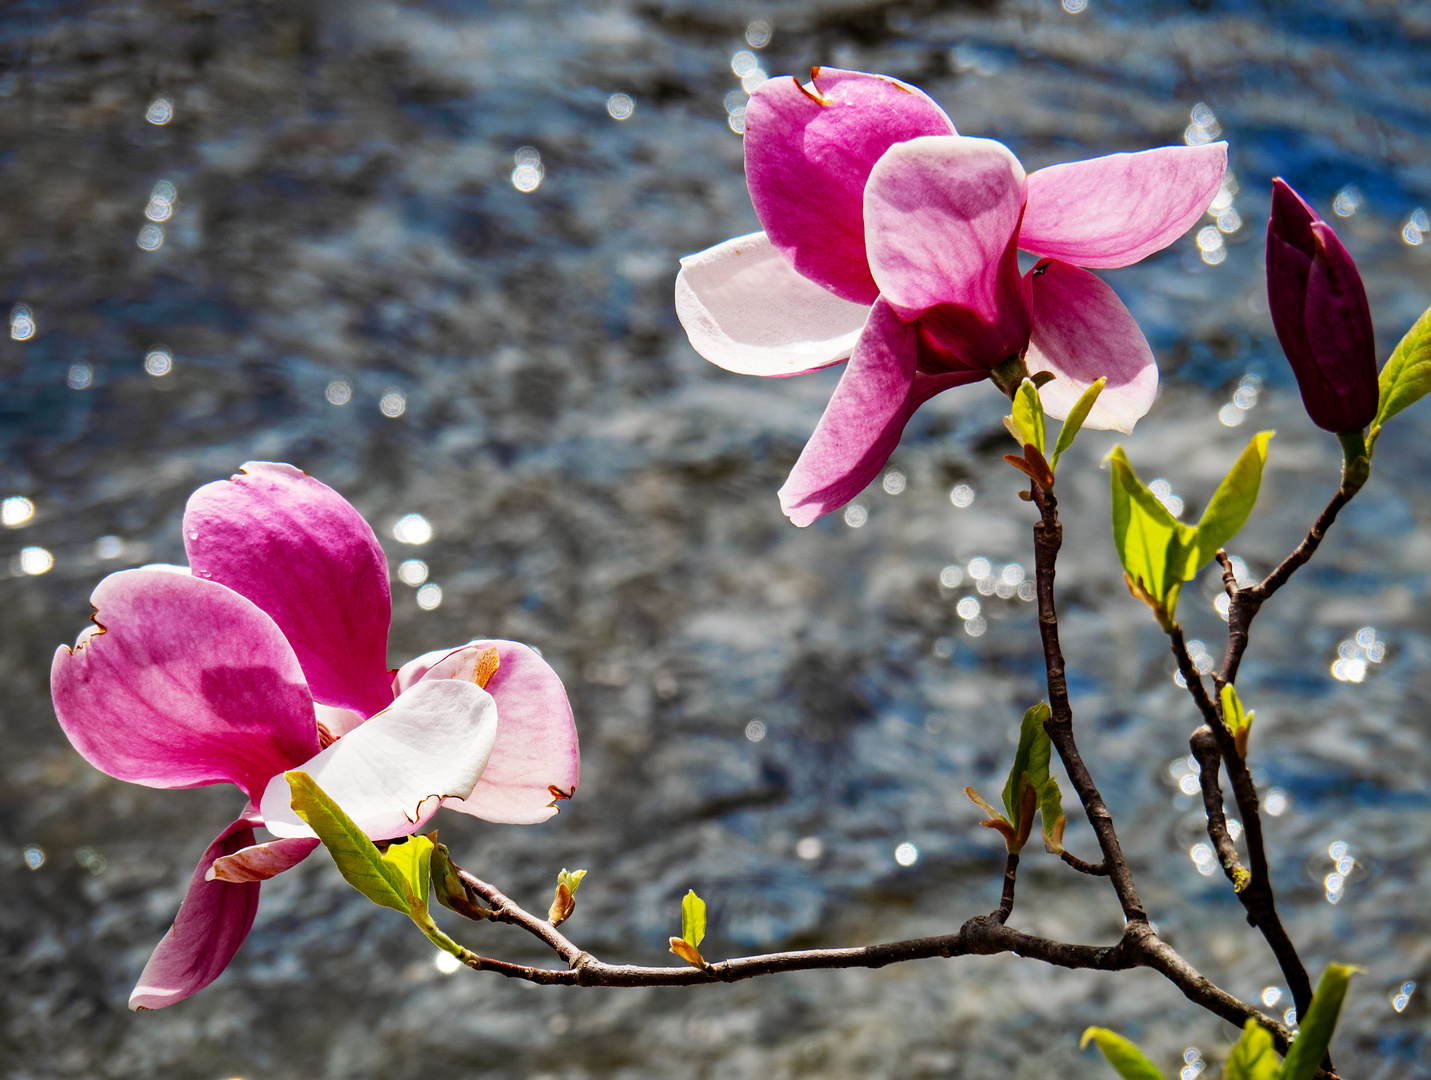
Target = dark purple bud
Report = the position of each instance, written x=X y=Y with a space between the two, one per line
x=1320 y=311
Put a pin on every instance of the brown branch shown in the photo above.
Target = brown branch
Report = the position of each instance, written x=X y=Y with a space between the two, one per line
x=1094 y=869
x=1006 y=900
x=1256 y=896
x=1048 y=538
x=1203 y=745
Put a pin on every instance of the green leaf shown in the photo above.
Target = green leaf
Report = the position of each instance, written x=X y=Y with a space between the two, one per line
x=359 y=861
x=1231 y=503
x=1237 y=719
x=1153 y=546
x=411 y=858
x=693 y=919
x=1050 y=808
x=1305 y=1055
x=1406 y=378
x=571 y=879
x=1028 y=414
x=1079 y=413
x=1030 y=763
x=1254 y=1057
x=1126 y=1058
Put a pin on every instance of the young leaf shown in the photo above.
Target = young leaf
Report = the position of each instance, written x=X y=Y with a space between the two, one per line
x=358 y=859
x=1238 y=720
x=1030 y=764
x=1305 y=1055
x=693 y=918
x=1076 y=415
x=995 y=819
x=1254 y=1057
x=1153 y=546
x=688 y=952
x=1028 y=414
x=1406 y=378
x=1231 y=503
x=1126 y=1058
x=1050 y=808
x=410 y=859
x=564 y=902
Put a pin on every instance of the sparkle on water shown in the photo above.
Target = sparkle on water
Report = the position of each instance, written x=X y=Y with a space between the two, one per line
x=1203 y=858
x=108 y=547
x=1401 y=996
x=1416 y=228
x=160 y=111
x=809 y=848
x=1348 y=201
x=755 y=730
x=906 y=854
x=757 y=34
x=962 y=495
x=158 y=361
x=150 y=238
x=393 y=403
x=1075 y=7
x=16 y=511
x=856 y=515
x=446 y=963
x=412 y=529
x=429 y=597
x=22 y=323
x=34 y=561
x=943 y=647
x=412 y=572
x=1271 y=995
x=976 y=626
x=34 y=857
x=339 y=392
x=620 y=106
x=529 y=173
x=1276 y=802
x=894 y=482
x=951 y=577
x=1356 y=654
x=80 y=376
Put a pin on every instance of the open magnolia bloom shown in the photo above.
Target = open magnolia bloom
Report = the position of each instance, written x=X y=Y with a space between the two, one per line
x=892 y=241
x=270 y=654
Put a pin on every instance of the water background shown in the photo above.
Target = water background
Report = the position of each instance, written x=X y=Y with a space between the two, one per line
x=344 y=208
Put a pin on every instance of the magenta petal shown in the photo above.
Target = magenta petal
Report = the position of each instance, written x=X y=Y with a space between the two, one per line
x=808 y=153
x=297 y=549
x=535 y=761
x=187 y=683
x=259 y=862
x=875 y=398
x=1112 y=211
x=941 y=221
x=1082 y=332
x=212 y=923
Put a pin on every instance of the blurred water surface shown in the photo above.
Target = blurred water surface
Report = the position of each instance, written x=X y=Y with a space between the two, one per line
x=426 y=251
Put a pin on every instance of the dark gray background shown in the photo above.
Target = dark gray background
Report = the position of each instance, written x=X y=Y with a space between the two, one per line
x=345 y=211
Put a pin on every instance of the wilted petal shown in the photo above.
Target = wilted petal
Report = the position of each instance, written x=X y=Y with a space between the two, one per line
x=808 y=153
x=747 y=311
x=259 y=862
x=875 y=398
x=1082 y=332
x=212 y=923
x=535 y=760
x=1114 y=210
x=188 y=683
x=941 y=220
x=297 y=549
x=391 y=774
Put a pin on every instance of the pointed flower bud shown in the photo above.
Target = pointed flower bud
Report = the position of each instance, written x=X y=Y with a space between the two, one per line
x=1320 y=311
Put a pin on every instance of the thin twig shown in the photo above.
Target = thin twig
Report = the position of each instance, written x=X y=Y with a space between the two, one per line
x=1203 y=745
x=1094 y=869
x=1006 y=900
x=1048 y=538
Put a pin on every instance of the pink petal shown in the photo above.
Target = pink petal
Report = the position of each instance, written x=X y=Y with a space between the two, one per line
x=213 y=921
x=808 y=153
x=259 y=862
x=747 y=311
x=941 y=221
x=535 y=761
x=875 y=398
x=1082 y=332
x=1114 y=210
x=187 y=683
x=391 y=774
x=297 y=549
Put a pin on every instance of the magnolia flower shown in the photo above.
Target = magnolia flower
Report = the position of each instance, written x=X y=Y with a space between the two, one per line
x=1320 y=311
x=892 y=241
x=270 y=654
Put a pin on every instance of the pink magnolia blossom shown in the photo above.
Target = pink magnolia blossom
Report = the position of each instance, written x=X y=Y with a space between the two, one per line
x=892 y=241
x=270 y=654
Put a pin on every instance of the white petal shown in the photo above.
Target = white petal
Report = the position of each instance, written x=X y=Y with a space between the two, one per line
x=391 y=774
x=748 y=311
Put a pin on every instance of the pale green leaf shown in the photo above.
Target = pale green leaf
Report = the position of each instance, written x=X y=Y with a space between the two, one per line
x=1076 y=415
x=1231 y=503
x=1028 y=414
x=693 y=918
x=1125 y=1058
x=357 y=858
x=1030 y=761
x=1305 y=1055
x=1406 y=378
x=1153 y=546
x=1050 y=808
x=412 y=858
x=1254 y=1057
x=571 y=879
